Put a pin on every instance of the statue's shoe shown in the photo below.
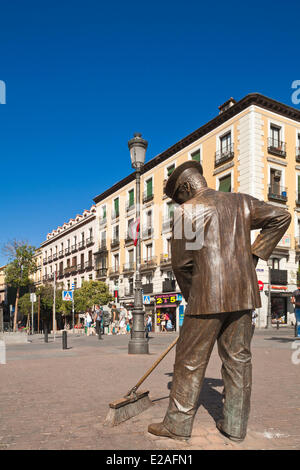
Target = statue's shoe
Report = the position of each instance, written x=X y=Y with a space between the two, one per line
x=158 y=429
x=229 y=436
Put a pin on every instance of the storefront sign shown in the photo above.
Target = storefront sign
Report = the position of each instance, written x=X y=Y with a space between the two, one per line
x=163 y=299
x=181 y=315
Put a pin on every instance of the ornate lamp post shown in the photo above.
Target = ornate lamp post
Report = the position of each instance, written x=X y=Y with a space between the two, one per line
x=138 y=343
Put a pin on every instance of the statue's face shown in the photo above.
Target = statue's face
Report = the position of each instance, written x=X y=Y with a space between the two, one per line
x=183 y=193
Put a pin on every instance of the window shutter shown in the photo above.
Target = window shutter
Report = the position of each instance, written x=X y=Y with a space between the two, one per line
x=149 y=187
x=225 y=184
x=131 y=197
x=117 y=206
x=196 y=155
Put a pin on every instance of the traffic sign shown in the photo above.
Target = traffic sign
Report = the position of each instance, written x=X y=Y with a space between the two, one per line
x=73 y=286
x=32 y=297
x=260 y=285
x=146 y=299
x=67 y=295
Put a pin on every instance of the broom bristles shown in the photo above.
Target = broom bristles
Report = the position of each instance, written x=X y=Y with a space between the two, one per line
x=127 y=408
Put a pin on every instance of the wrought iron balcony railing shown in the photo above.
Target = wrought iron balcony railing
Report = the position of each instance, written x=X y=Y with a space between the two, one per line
x=115 y=243
x=129 y=207
x=89 y=241
x=147 y=288
x=88 y=264
x=147 y=196
x=115 y=215
x=67 y=251
x=167 y=223
x=165 y=259
x=103 y=220
x=128 y=267
x=298 y=154
x=149 y=263
x=277 y=192
x=100 y=273
x=169 y=285
x=74 y=248
x=55 y=257
x=276 y=147
x=81 y=245
x=114 y=270
x=224 y=154
x=61 y=253
x=147 y=232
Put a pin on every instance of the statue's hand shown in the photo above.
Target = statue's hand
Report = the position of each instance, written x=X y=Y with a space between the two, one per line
x=255 y=260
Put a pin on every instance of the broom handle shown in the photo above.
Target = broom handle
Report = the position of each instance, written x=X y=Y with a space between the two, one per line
x=134 y=389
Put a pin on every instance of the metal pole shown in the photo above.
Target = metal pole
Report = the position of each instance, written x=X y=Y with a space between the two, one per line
x=54 y=312
x=73 y=314
x=32 y=329
x=138 y=343
x=269 y=316
x=39 y=312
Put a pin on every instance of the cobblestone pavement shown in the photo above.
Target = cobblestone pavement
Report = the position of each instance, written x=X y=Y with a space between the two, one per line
x=58 y=399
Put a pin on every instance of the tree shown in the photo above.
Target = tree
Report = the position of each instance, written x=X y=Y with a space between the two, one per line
x=22 y=264
x=91 y=293
x=25 y=306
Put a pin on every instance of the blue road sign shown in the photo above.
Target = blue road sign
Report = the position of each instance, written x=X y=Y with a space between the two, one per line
x=67 y=295
x=146 y=299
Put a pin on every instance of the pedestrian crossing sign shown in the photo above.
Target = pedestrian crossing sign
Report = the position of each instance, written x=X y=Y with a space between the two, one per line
x=67 y=295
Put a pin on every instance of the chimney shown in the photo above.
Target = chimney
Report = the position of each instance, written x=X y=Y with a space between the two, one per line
x=226 y=105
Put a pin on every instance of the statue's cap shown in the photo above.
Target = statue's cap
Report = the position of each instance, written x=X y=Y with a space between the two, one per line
x=172 y=183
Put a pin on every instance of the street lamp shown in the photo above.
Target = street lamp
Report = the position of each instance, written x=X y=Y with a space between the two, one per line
x=138 y=343
x=269 y=315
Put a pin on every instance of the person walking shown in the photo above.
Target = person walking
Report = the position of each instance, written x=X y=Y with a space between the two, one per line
x=88 y=321
x=163 y=322
x=296 y=301
x=216 y=273
x=98 y=320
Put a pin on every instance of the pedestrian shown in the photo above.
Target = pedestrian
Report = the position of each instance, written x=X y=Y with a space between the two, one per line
x=88 y=321
x=163 y=322
x=149 y=323
x=296 y=301
x=216 y=273
x=127 y=326
x=254 y=317
x=115 y=320
x=122 y=321
x=98 y=319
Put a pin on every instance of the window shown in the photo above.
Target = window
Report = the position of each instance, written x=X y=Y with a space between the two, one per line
x=103 y=212
x=68 y=284
x=149 y=219
x=149 y=188
x=82 y=237
x=116 y=232
x=225 y=143
x=149 y=251
x=196 y=155
x=116 y=262
x=170 y=169
x=275 y=132
x=275 y=177
x=169 y=247
x=170 y=210
x=116 y=207
x=149 y=278
x=275 y=263
x=298 y=189
x=82 y=259
x=74 y=261
x=225 y=184
x=131 y=198
x=131 y=256
x=82 y=281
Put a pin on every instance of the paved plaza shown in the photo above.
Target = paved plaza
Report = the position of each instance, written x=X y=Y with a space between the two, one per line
x=52 y=398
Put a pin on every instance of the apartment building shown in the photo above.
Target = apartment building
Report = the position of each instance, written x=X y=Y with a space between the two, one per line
x=3 y=287
x=251 y=146
x=68 y=251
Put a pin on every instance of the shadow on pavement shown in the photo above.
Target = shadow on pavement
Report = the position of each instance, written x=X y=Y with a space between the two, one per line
x=209 y=398
x=282 y=340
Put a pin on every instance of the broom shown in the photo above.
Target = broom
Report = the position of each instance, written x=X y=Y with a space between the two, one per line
x=133 y=403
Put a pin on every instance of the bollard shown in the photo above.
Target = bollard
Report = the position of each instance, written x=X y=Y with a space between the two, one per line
x=64 y=340
x=46 y=334
x=277 y=325
x=100 y=332
x=2 y=352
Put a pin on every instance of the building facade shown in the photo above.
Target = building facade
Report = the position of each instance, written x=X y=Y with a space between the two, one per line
x=251 y=146
x=68 y=251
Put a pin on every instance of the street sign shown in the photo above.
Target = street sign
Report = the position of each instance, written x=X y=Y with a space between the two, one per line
x=260 y=285
x=73 y=286
x=146 y=299
x=32 y=297
x=67 y=295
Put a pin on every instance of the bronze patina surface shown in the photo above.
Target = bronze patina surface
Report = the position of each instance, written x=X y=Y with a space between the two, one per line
x=218 y=280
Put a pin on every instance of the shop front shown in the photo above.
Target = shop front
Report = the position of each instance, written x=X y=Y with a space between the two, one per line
x=167 y=311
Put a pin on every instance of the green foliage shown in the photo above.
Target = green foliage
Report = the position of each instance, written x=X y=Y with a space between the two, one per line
x=22 y=263
x=91 y=293
x=25 y=305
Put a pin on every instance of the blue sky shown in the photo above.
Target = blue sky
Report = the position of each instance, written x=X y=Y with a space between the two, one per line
x=82 y=76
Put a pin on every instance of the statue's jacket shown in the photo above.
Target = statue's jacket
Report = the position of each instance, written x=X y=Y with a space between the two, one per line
x=212 y=255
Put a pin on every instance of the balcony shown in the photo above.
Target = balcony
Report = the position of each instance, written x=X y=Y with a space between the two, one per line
x=167 y=224
x=129 y=207
x=129 y=267
x=169 y=285
x=74 y=248
x=147 y=288
x=55 y=257
x=115 y=243
x=276 y=147
x=128 y=239
x=80 y=267
x=115 y=215
x=114 y=271
x=224 y=155
x=277 y=193
x=73 y=268
x=88 y=265
x=149 y=263
x=67 y=251
x=103 y=220
x=61 y=254
x=89 y=241
x=60 y=274
x=101 y=273
x=81 y=245
x=147 y=197
x=279 y=276
x=49 y=259
x=165 y=260
x=102 y=248
x=147 y=233
x=298 y=154
x=129 y=291
x=45 y=261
